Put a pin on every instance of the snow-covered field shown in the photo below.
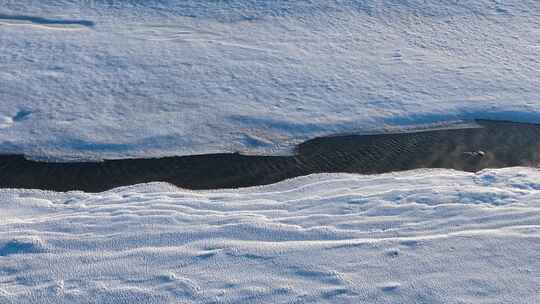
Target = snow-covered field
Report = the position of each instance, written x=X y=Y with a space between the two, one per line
x=109 y=79
x=427 y=236
x=132 y=78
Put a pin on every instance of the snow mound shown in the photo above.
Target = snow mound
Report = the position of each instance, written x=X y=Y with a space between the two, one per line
x=425 y=236
x=113 y=79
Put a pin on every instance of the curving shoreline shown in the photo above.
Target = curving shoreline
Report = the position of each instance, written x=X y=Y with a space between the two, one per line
x=495 y=144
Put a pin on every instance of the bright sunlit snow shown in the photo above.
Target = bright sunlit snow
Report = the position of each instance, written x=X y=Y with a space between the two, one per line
x=433 y=236
x=110 y=79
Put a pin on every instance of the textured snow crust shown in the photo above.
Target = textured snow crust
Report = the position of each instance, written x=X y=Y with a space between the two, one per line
x=425 y=236
x=111 y=79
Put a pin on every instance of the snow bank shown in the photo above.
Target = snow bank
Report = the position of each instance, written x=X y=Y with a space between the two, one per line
x=110 y=79
x=426 y=236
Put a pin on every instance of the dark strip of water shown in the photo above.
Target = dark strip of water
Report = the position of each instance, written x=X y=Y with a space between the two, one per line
x=494 y=144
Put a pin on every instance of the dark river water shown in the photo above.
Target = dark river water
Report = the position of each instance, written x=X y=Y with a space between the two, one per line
x=494 y=144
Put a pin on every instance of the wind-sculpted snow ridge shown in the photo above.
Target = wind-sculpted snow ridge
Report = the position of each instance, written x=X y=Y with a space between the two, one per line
x=115 y=79
x=43 y=23
x=426 y=236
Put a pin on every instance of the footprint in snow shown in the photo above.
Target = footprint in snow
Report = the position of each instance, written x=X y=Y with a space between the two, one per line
x=22 y=246
x=22 y=115
x=393 y=253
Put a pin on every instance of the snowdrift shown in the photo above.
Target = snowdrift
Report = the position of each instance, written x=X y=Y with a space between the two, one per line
x=428 y=236
x=112 y=79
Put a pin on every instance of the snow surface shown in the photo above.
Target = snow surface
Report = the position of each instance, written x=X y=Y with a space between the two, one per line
x=126 y=78
x=425 y=236
x=131 y=78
